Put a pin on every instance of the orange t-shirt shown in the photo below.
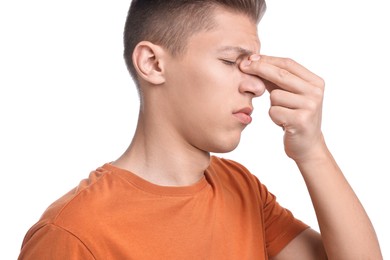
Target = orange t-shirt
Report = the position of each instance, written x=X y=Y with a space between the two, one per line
x=114 y=214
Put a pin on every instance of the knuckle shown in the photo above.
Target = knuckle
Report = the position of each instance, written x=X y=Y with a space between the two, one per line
x=302 y=120
x=275 y=94
x=320 y=83
x=318 y=93
x=273 y=111
x=311 y=105
x=283 y=74
x=288 y=62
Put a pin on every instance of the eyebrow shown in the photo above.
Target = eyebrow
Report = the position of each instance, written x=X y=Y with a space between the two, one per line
x=236 y=49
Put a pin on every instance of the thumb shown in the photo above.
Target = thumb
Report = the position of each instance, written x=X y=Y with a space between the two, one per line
x=251 y=66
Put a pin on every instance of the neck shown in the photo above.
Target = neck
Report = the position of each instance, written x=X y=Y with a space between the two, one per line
x=162 y=157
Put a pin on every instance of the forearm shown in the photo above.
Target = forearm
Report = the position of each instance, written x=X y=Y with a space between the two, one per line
x=346 y=230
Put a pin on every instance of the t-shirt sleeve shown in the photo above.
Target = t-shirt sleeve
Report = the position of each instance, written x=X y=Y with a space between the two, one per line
x=53 y=242
x=280 y=225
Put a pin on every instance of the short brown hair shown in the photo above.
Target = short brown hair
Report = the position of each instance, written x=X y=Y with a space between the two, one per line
x=169 y=23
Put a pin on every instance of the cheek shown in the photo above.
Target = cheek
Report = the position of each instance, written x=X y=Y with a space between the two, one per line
x=215 y=80
x=215 y=94
x=199 y=81
x=202 y=86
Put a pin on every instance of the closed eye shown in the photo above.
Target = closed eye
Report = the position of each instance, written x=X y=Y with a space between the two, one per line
x=228 y=62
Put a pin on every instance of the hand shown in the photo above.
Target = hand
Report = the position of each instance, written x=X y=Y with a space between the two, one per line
x=296 y=102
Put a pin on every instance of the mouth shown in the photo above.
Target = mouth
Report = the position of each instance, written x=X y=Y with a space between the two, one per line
x=244 y=115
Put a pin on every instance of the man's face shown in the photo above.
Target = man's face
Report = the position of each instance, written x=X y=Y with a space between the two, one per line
x=208 y=96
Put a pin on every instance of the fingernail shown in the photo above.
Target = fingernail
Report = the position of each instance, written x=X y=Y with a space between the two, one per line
x=254 y=57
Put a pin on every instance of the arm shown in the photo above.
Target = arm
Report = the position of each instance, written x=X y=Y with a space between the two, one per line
x=296 y=105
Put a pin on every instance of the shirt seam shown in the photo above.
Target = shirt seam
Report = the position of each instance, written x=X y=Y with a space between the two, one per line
x=70 y=233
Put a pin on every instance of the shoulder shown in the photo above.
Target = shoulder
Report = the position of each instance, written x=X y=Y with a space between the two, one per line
x=61 y=223
x=75 y=207
x=85 y=191
x=233 y=174
x=226 y=166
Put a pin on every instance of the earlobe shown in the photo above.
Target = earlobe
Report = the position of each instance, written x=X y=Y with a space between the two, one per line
x=147 y=60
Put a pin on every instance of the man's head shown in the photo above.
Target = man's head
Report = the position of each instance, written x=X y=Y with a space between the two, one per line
x=169 y=23
x=193 y=92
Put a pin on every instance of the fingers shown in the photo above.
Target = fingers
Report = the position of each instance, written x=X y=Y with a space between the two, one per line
x=284 y=73
x=292 y=67
x=281 y=116
x=296 y=101
x=294 y=123
x=289 y=100
x=294 y=112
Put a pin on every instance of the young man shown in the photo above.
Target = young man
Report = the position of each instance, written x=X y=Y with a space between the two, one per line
x=197 y=68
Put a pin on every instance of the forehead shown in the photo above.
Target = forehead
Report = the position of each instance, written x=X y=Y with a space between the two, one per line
x=232 y=32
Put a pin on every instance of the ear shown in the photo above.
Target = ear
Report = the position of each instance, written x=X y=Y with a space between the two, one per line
x=148 y=61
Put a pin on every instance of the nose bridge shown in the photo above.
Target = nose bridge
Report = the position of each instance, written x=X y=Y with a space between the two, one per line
x=251 y=84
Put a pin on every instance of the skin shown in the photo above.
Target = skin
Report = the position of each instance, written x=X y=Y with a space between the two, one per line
x=189 y=110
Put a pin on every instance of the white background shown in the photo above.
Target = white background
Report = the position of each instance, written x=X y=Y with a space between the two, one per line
x=68 y=105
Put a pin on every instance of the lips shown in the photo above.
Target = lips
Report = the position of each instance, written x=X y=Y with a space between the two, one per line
x=244 y=115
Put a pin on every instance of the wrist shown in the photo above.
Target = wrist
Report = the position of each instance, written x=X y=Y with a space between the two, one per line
x=317 y=154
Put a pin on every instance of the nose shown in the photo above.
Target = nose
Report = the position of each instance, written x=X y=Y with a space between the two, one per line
x=252 y=85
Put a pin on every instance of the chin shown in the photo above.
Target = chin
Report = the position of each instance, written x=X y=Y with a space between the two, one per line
x=223 y=146
x=223 y=150
x=218 y=141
